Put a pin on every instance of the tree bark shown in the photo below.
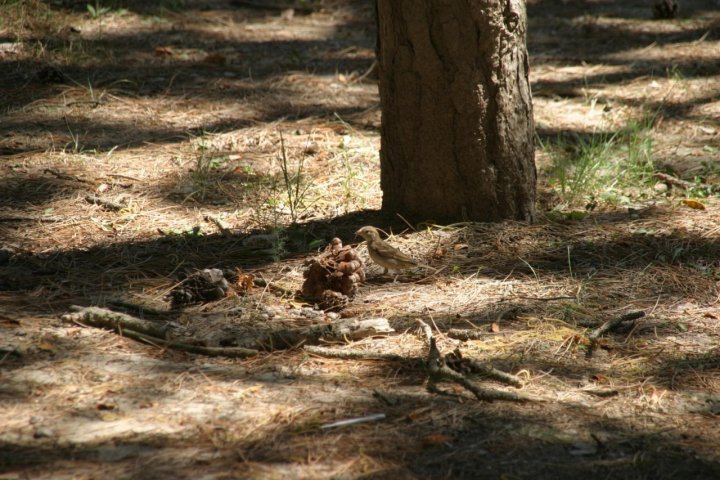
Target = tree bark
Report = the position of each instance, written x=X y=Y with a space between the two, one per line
x=457 y=125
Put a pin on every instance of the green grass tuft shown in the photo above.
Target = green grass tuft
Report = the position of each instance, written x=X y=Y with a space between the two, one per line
x=602 y=165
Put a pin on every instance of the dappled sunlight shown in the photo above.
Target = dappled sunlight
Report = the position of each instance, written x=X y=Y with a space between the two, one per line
x=144 y=141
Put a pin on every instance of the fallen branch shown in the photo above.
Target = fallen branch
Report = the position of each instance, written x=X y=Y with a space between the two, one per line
x=145 y=331
x=678 y=182
x=613 y=324
x=230 y=352
x=601 y=392
x=116 y=321
x=488 y=395
x=342 y=330
x=108 y=204
x=465 y=334
x=31 y=219
x=438 y=370
x=358 y=355
x=249 y=343
x=483 y=370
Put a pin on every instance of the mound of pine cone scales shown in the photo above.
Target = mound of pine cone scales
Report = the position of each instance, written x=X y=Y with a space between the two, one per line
x=332 y=278
x=200 y=287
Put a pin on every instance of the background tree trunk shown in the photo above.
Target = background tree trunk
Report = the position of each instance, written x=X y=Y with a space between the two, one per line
x=457 y=125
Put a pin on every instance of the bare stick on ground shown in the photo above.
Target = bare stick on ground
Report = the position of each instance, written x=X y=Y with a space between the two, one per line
x=613 y=324
x=145 y=331
x=357 y=355
x=439 y=371
x=105 y=203
x=157 y=333
x=230 y=352
x=678 y=182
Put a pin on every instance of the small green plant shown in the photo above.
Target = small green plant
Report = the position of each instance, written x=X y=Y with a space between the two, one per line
x=699 y=189
x=205 y=171
x=602 y=165
x=75 y=138
x=278 y=249
x=97 y=10
x=201 y=175
x=675 y=73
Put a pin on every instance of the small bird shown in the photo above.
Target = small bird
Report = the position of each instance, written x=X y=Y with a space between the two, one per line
x=384 y=254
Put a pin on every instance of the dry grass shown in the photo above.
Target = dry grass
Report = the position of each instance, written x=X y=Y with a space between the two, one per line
x=190 y=142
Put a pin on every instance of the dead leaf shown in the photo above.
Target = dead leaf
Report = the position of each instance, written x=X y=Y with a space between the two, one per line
x=580 y=340
x=693 y=204
x=460 y=246
x=163 y=51
x=244 y=283
x=436 y=439
x=495 y=327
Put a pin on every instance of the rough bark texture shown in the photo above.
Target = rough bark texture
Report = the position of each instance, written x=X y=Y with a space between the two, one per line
x=457 y=127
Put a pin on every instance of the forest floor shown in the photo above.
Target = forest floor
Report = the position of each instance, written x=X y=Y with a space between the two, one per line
x=175 y=112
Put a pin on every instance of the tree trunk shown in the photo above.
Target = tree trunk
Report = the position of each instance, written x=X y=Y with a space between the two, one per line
x=457 y=126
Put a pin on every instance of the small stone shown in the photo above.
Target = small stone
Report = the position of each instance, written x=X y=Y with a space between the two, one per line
x=661 y=187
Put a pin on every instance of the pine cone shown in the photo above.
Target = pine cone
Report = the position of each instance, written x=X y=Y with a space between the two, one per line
x=336 y=271
x=203 y=286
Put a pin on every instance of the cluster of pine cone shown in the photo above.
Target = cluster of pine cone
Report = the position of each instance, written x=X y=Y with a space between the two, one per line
x=332 y=278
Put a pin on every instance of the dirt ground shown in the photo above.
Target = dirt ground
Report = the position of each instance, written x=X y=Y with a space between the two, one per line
x=175 y=113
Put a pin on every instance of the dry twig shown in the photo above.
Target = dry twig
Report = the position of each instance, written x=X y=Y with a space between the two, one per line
x=438 y=371
x=357 y=355
x=145 y=331
x=678 y=182
x=105 y=203
x=614 y=323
